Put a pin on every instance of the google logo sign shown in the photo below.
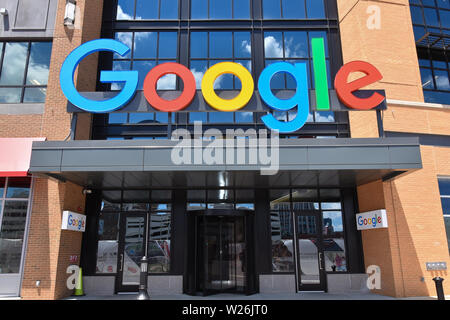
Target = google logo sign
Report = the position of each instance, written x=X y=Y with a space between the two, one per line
x=77 y=223
x=369 y=221
x=345 y=90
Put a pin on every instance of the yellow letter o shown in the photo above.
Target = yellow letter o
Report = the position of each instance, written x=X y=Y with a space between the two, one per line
x=240 y=100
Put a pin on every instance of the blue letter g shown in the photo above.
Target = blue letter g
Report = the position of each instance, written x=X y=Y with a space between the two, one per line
x=130 y=78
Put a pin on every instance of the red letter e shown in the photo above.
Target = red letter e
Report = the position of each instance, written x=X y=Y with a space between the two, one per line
x=345 y=89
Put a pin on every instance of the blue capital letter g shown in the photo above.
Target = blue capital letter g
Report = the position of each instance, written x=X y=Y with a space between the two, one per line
x=130 y=78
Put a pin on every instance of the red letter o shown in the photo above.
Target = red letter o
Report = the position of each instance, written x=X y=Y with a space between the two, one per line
x=177 y=104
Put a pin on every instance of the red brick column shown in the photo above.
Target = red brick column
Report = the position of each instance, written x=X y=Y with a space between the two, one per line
x=49 y=247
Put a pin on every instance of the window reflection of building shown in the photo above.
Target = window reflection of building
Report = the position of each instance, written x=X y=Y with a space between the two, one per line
x=332 y=226
x=14 y=201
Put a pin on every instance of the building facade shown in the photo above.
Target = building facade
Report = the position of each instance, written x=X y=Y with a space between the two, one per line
x=211 y=226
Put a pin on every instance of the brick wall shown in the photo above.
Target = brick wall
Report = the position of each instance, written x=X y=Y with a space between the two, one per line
x=416 y=232
x=49 y=248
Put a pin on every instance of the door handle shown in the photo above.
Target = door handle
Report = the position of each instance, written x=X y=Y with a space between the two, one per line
x=121 y=262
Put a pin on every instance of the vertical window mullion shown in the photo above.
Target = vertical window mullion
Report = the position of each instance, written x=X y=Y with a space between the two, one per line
x=25 y=73
x=159 y=9
x=2 y=56
x=281 y=9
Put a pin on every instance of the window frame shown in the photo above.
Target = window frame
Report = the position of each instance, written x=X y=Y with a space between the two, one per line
x=435 y=94
x=319 y=200
x=256 y=25
x=24 y=84
x=159 y=12
x=29 y=200
x=120 y=211
x=446 y=196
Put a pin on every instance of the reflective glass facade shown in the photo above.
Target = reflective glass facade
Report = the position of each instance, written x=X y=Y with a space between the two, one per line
x=24 y=70
x=431 y=23
x=14 y=200
x=205 y=33
x=444 y=188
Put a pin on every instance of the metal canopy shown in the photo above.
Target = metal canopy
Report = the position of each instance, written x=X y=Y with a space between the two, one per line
x=147 y=164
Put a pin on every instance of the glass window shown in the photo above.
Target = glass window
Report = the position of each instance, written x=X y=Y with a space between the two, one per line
x=117 y=118
x=19 y=83
x=220 y=9
x=108 y=238
x=432 y=17
x=11 y=235
x=125 y=10
x=282 y=231
x=241 y=9
x=147 y=9
x=210 y=48
x=14 y=62
x=271 y=9
x=282 y=235
x=145 y=44
x=334 y=252
x=159 y=241
x=35 y=95
x=18 y=188
x=167 y=48
x=10 y=95
x=220 y=45
x=168 y=9
x=142 y=118
x=444 y=189
x=149 y=50
x=199 y=9
x=39 y=63
x=315 y=9
x=198 y=116
x=293 y=9
x=2 y=187
x=199 y=45
x=441 y=79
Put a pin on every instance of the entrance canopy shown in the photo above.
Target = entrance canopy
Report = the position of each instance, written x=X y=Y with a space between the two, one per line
x=148 y=164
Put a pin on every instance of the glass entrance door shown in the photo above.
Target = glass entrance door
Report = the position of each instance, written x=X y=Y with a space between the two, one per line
x=311 y=274
x=131 y=250
x=222 y=251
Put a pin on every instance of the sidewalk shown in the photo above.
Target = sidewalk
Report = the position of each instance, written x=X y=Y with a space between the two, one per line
x=259 y=296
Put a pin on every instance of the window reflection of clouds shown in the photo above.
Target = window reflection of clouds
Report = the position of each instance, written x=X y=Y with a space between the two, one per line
x=296 y=44
x=13 y=69
x=147 y=9
x=14 y=73
x=145 y=45
x=220 y=50
x=10 y=95
x=143 y=67
x=324 y=116
x=125 y=10
x=33 y=95
x=39 y=63
x=273 y=45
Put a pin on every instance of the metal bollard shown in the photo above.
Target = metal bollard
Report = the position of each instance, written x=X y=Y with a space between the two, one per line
x=439 y=289
x=143 y=294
